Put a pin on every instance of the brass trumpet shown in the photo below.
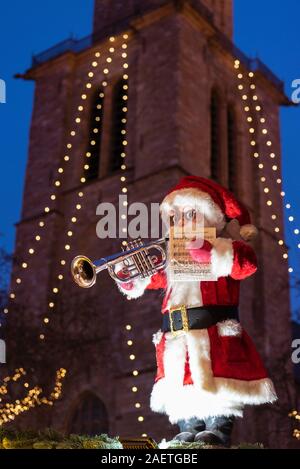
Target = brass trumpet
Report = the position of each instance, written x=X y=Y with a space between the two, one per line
x=139 y=260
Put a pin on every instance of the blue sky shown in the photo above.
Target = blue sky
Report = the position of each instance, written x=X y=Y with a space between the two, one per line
x=266 y=28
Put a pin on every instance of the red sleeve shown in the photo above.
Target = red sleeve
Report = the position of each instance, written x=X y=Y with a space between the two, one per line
x=158 y=280
x=244 y=261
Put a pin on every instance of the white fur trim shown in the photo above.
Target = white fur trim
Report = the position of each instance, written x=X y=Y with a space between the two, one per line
x=230 y=327
x=156 y=338
x=185 y=293
x=222 y=257
x=194 y=198
x=139 y=286
x=208 y=396
x=248 y=232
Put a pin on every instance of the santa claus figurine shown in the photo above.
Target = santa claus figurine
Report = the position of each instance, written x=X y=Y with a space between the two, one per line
x=207 y=366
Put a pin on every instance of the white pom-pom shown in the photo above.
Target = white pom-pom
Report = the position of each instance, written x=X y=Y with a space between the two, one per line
x=248 y=232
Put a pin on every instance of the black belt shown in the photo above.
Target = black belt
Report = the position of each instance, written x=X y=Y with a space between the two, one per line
x=202 y=317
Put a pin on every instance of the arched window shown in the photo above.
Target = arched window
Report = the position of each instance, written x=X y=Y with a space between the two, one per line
x=118 y=125
x=215 y=136
x=94 y=142
x=231 y=148
x=90 y=416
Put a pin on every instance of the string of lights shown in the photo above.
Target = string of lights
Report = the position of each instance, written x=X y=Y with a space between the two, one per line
x=295 y=415
x=253 y=105
x=10 y=410
x=80 y=195
x=124 y=190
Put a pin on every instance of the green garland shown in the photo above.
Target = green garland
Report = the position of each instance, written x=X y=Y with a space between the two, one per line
x=50 y=439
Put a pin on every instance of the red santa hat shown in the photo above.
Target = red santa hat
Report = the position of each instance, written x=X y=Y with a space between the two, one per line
x=213 y=200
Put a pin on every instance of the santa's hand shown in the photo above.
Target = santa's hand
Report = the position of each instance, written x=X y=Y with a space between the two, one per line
x=200 y=254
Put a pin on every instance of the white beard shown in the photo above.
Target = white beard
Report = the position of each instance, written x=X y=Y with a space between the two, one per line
x=185 y=293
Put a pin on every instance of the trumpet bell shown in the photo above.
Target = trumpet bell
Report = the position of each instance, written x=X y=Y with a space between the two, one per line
x=83 y=271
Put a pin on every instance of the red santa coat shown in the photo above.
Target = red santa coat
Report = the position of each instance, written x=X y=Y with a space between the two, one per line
x=213 y=371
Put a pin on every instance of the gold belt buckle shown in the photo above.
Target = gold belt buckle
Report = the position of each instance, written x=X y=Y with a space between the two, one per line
x=184 y=318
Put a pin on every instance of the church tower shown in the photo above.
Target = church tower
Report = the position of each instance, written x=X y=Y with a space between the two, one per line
x=185 y=114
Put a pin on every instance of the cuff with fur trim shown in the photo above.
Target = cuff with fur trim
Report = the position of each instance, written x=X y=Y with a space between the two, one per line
x=136 y=289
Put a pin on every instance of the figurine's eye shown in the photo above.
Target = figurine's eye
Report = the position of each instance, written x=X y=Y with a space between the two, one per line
x=190 y=215
x=177 y=216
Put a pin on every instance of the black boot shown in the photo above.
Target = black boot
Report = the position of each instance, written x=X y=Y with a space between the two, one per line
x=189 y=429
x=218 y=431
